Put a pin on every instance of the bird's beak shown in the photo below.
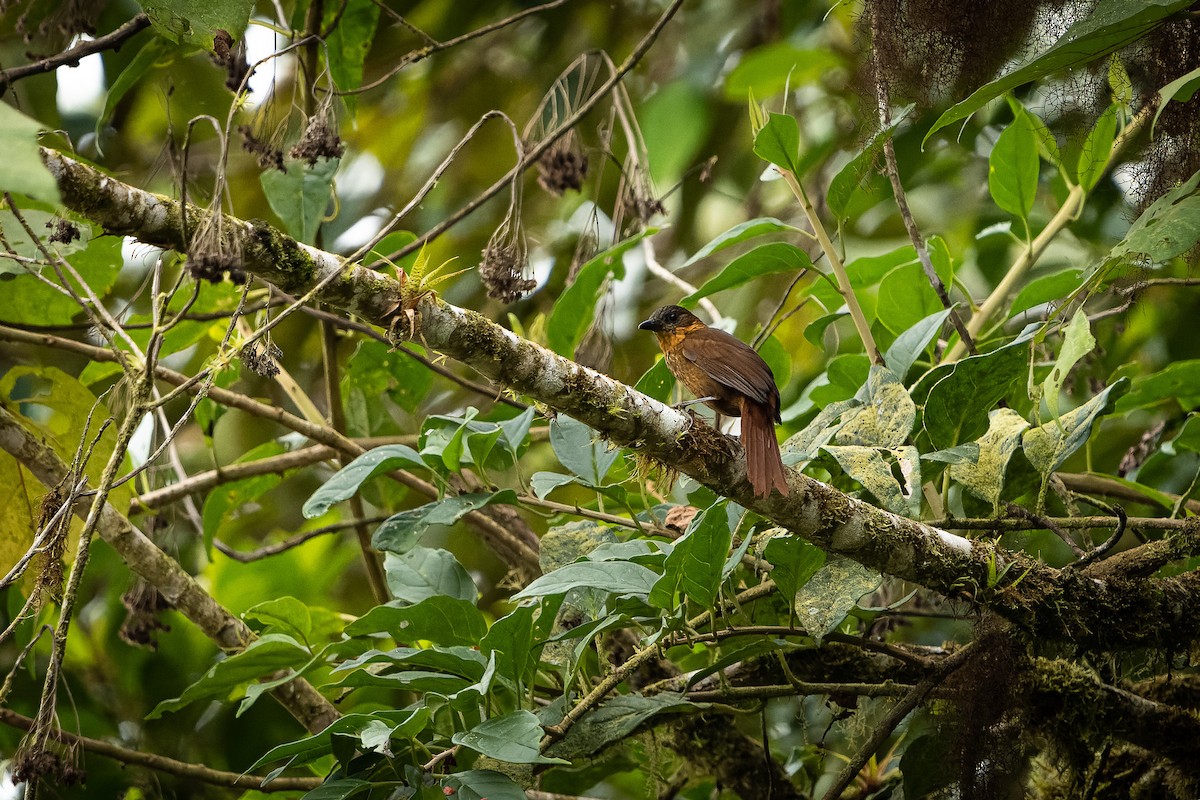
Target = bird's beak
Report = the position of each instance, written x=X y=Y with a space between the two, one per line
x=648 y=325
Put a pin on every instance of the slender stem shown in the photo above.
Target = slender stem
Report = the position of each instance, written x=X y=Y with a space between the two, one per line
x=71 y=57
x=839 y=269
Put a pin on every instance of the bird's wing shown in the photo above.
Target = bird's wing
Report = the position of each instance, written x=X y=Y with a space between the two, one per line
x=730 y=361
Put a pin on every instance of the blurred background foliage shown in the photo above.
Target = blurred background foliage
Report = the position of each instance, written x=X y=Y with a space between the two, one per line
x=160 y=114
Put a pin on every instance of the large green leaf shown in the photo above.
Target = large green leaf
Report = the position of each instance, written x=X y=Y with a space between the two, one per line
x=737 y=234
x=1048 y=446
x=1077 y=343
x=1179 y=382
x=694 y=567
x=616 y=720
x=1111 y=25
x=795 y=562
x=580 y=451
x=765 y=260
x=985 y=476
x=851 y=176
x=347 y=46
x=425 y=572
x=766 y=70
x=197 y=21
x=905 y=298
x=403 y=722
x=614 y=577
x=27 y=301
x=300 y=196
x=481 y=784
x=832 y=593
x=1097 y=147
x=575 y=308
x=1013 y=167
x=911 y=343
x=514 y=737
x=779 y=141
x=400 y=532
x=265 y=655
x=1045 y=289
x=345 y=482
x=24 y=172
x=957 y=407
x=1169 y=227
x=441 y=619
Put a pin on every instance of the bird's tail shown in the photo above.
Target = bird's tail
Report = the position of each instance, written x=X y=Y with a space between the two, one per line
x=764 y=465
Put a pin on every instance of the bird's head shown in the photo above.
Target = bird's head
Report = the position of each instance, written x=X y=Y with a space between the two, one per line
x=670 y=318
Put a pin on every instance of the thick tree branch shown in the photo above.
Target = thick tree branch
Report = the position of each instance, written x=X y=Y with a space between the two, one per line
x=159 y=569
x=1050 y=603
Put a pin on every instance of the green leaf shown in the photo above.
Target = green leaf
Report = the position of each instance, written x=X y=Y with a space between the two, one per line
x=1180 y=90
x=24 y=172
x=1013 y=167
x=905 y=298
x=347 y=46
x=1093 y=157
x=1048 y=446
x=657 y=382
x=483 y=784
x=425 y=572
x=872 y=467
x=694 y=567
x=27 y=301
x=403 y=723
x=264 y=656
x=768 y=69
x=1045 y=289
x=543 y=483
x=400 y=532
x=286 y=613
x=960 y=454
x=1077 y=343
x=156 y=52
x=576 y=446
x=510 y=640
x=1179 y=381
x=911 y=343
x=886 y=416
x=441 y=619
x=616 y=720
x=615 y=577
x=575 y=308
x=795 y=562
x=345 y=482
x=1111 y=25
x=300 y=196
x=196 y=21
x=461 y=660
x=1169 y=227
x=832 y=593
x=737 y=234
x=957 y=407
x=851 y=177
x=338 y=789
x=984 y=477
x=847 y=372
x=765 y=260
x=376 y=370
x=864 y=272
x=514 y=737
x=779 y=141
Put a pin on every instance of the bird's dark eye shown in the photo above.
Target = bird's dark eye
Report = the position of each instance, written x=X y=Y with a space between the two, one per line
x=672 y=315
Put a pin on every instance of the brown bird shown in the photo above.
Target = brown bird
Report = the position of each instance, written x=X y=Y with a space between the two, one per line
x=728 y=376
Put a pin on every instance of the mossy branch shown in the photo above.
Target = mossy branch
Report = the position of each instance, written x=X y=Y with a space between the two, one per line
x=1063 y=605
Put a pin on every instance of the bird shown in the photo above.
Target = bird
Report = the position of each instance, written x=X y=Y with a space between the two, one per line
x=730 y=377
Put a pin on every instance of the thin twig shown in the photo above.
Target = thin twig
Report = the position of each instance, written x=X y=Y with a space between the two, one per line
x=910 y=224
x=436 y=47
x=1045 y=523
x=246 y=556
x=1066 y=523
x=1109 y=544
x=72 y=56
x=531 y=157
x=196 y=772
x=894 y=717
x=662 y=273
